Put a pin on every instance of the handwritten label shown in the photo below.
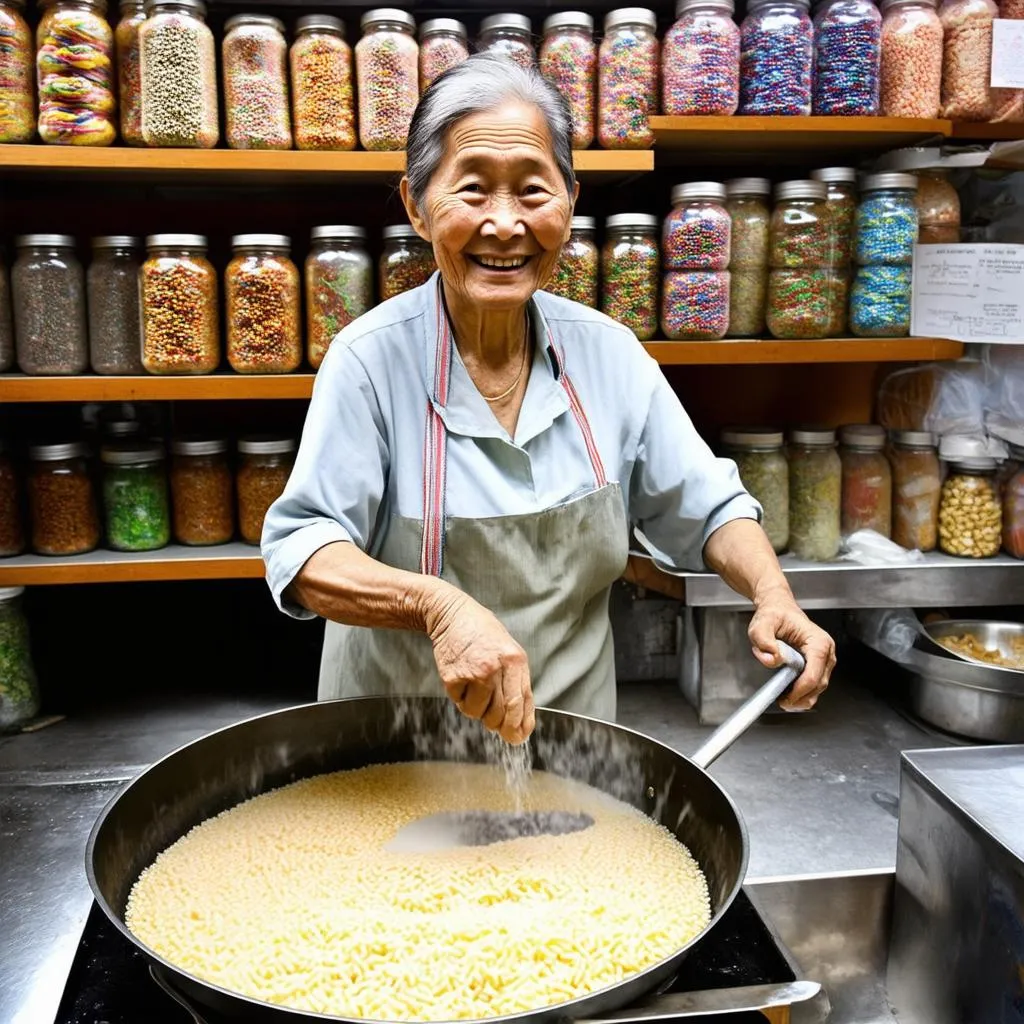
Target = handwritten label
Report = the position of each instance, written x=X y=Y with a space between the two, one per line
x=1007 y=54
x=969 y=293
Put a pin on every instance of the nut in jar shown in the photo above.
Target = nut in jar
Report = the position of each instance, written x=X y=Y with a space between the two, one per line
x=970 y=512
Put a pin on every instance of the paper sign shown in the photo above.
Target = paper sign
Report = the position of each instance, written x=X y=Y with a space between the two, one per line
x=969 y=293
x=1007 y=54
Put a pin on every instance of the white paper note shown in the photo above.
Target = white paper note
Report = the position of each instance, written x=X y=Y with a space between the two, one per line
x=1007 y=54
x=969 y=293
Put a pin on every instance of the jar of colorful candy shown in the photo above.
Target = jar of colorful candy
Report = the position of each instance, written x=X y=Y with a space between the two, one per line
x=138 y=516
x=848 y=51
x=323 y=104
x=630 y=265
x=880 y=302
x=627 y=79
x=202 y=492
x=266 y=463
x=916 y=484
x=967 y=58
x=764 y=471
x=255 y=57
x=75 y=73
x=841 y=185
x=406 y=262
x=508 y=35
x=575 y=275
x=886 y=223
x=444 y=43
x=61 y=500
x=17 y=60
x=129 y=71
x=695 y=305
x=339 y=285
x=568 y=59
x=837 y=283
x=12 y=530
x=387 y=78
x=867 y=480
x=697 y=233
x=700 y=60
x=179 y=76
x=911 y=67
x=115 y=313
x=19 y=688
x=938 y=208
x=747 y=204
x=776 y=58
x=815 y=489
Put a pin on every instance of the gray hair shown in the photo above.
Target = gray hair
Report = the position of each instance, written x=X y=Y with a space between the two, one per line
x=483 y=82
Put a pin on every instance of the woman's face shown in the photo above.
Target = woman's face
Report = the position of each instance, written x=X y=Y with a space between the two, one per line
x=497 y=210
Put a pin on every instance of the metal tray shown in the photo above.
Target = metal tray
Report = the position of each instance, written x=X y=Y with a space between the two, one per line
x=992 y=635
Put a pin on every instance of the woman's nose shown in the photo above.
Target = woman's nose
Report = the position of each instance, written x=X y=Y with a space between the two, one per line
x=503 y=219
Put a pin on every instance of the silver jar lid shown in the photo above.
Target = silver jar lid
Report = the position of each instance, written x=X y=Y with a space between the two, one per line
x=175 y=241
x=835 y=175
x=862 y=435
x=319 y=22
x=282 y=242
x=682 y=6
x=62 y=241
x=801 y=190
x=630 y=16
x=115 y=242
x=712 y=191
x=977 y=463
x=889 y=179
x=330 y=232
x=813 y=436
x=887 y=5
x=914 y=438
x=748 y=187
x=569 y=19
x=264 y=20
x=199 y=446
x=57 y=452
x=194 y=5
x=638 y=221
x=122 y=428
x=516 y=22
x=805 y=4
x=265 y=444
x=382 y=15
x=131 y=453
x=752 y=437
x=403 y=231
x=583 y=224
x=10 y=593
x=449 y=25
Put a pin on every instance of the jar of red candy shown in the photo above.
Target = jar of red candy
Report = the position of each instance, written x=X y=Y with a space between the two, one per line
x=444 y=43
x=509 y=35
x=387 y=78
x=867 y=480
x=630 y=264
x=568 y=59
x=700 y=60
x=323 y=101
x=776 y=58
x=627 y=79
x=847 y=49
x=697 y=233
x=911 y=68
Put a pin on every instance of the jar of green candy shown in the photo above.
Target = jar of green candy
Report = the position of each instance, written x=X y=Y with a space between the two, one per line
x=19 y=691
x=135 y=496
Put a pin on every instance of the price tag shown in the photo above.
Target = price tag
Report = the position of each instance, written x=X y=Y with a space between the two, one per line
x=1007 y=54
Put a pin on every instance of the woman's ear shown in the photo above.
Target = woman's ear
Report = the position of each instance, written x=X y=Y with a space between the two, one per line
x=416 y=218
x=572 y=209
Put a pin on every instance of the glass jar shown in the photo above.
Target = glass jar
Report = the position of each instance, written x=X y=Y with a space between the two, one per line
x=837 y=283
x=19 y=689
x=61 y=500
x=880 y=302
x=255 y=57
x=911 y=68
x=17 y=65
x=575 y=275
x=266 y=463
x=1013 y=509
x=202 y=492
x=886 y=224
x=12 y=530
x=841 y=201
x=697 y=233
x=695 y=305
x=970 y=511
x=262 y=288
x=867 y=480
x=764 y=472
x=444 y=43
x=510 y=36
x=700 y=60
x=179 y=76
x=847 y=52
x=406 y=262
x=75 y=73
x=6 y=322
x=129 y=71
x=48 y=289
x=339 y=285
x=323 y=103
x=180 y=328
x=568 y=59
x=115 y=315
x=938 y=208
x=747 y=204
x=916 y=485
x=815 y=487
x=630 y=265
x=966 y=59
x=627 y=79
x=135 y=496
x=776 y=58
x=387 y=78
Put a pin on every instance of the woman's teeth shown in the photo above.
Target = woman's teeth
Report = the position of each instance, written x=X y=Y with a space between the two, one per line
x=506 y=264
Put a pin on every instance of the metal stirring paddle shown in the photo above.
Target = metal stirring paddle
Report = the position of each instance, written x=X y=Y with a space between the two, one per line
x=451 y=829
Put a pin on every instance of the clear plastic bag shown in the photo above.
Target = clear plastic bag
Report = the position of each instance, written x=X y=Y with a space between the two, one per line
x=945 y=398
x=890 y=631
x=1004 y=403
x=869 y=547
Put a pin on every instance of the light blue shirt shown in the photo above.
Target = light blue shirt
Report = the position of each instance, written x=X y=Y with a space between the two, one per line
x=360 y=460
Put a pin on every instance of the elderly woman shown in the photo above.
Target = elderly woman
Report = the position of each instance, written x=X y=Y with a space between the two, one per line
x=477 y=451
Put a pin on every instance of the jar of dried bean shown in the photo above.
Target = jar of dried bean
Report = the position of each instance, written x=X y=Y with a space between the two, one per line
x=508 y=35
x=202 y=492
x=938 y=208
x=48 y=289
x=387 y=78
x=1013 y=508
x=6 y=322
x=776 y=58
x=17 y=57
x=700 y=60
x=815 y=488
x=406 y=262
x=916 y=484
x=967 y=58
x=575 y=275
x=75 y=73
x=266 y=463
x=847 y=50
x=747 y=204
x=179 y=76
x=262 y=288
x=911 y=69
x=129 y=71
x=12 y=531
x=180 y=331
x=761 y=460
x=323 y=103
x=841 y=203
x=115 y=314
x=61 y=500
x=255 y=57
x=444 y=43
x=970 y=510
x=19 y=689
x=339 y=285
x=630 y=266
x=627 y=79
x=135 y=496
x=867 y=480
x=568 y=59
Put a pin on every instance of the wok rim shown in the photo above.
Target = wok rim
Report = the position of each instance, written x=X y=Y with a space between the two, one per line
x=561 y=1010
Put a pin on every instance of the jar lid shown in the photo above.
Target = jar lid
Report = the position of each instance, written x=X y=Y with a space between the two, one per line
x=583 y=223
x=888 y=179
x=254 y=19
x=131 y=453
x=569 y=19
x=400 y=231
x=379 y=15
x=887 y=5
x=805 y=4
x=199 y=446
x=682 y=6
x=57 y=452
x=122 y=428
x=10 y=593
x=196 y=5
x=260 y=242
x=174 y=241
x=100 y=5
x=752 y=437
x=979 y=463
x=914 y=438
x=862 y=435
x=958 y=447
x=812 y=435
x=630 y=16
x=332 y=231
x=835 y=175
x=436 y=25
x=713 y=191
x=514 y=21
x=324 y=22
x=644 y=221
x=64 y=241
x=748 y=187
x=265 y=444
x=801 y=190
x=115 y=242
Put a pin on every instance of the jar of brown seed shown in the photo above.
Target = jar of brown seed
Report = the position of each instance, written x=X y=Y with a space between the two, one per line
x=62 y=500
x=202 y=492
x=266 y=463
x=115 y=345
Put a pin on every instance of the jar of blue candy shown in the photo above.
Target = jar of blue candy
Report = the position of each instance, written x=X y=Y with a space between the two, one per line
x=776 y=58
x=848 y=53
x=880 y=302
x=886 y=224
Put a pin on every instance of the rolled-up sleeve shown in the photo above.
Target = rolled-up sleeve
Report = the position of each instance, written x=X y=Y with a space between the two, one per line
x=335 y=491
x=680 y=492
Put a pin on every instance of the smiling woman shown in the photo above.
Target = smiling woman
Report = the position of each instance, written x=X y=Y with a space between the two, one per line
x=477 y=451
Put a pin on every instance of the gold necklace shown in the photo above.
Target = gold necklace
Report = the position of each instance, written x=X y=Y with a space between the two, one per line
x=519 y=376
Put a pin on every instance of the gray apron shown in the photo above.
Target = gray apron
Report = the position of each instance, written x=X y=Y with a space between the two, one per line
x=545 y=575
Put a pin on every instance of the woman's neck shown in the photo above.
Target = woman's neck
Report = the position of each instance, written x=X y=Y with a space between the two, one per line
x=489 y=340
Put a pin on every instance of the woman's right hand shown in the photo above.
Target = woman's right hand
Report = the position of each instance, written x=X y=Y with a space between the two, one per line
x=483 y=669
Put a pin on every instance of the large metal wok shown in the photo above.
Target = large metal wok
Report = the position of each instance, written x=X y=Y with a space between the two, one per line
x=233 y=764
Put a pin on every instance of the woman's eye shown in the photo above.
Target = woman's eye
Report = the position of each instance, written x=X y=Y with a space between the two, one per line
x=472 y=186
x=533 y=190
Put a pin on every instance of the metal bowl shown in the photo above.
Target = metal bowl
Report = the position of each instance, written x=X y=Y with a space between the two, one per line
x=998 y=636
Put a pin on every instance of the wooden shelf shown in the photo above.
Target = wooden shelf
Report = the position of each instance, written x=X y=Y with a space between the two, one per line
x=826 y=350
x=967 y=131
